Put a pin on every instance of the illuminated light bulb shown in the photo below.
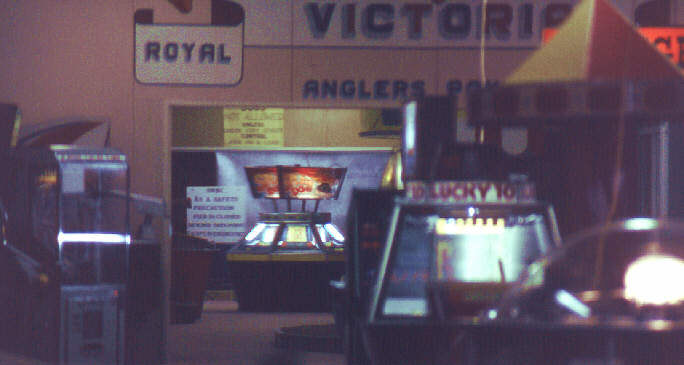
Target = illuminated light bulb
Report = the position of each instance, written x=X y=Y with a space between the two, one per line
x=321 y=233
x=573 y=304
x=471 y=211
x=254 y=232
x=655 y=280
x=334 y=232
x=269 y=235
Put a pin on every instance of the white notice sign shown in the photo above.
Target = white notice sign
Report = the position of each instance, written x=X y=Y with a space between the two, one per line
x=216 y=213
x=188 y=54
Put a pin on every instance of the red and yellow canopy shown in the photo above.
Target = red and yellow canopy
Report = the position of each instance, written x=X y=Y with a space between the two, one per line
x=597 y=65
x=595 y=43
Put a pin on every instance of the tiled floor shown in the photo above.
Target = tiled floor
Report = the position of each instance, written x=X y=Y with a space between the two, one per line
x=226 y=336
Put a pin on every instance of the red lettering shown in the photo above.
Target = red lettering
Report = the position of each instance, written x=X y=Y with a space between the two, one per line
x=508 y=192
x=459 y=191
x=433 y=191
x=470 y=191
x=527 y=192
x=499 y=190
x=418 y=191
x=444 y=191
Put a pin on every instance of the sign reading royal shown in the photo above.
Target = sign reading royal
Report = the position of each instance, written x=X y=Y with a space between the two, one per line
x=180 y=54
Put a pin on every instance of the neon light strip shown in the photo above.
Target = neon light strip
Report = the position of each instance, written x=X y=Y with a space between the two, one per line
x=105 y=238
x=456 y=226
x=569 y=301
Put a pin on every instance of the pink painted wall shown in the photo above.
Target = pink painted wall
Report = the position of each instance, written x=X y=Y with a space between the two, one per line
x=63 y=60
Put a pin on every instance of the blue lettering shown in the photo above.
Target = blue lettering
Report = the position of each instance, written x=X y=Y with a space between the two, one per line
x=399 y=89
x=415 y=14
x=377 y=21
x=171 y=52
x=187 y=48
x=380 y=89
x=223 y=59
x=418 y=89
x=152 y=51
x=499 y=19
x=454 y=21
x=206 y=53
x=362 y=89
x=526 y=20
x=348 y=89
x=329 y=88
x=349 y=21
x=318 y=22
x=363 y=93
x=311 y=89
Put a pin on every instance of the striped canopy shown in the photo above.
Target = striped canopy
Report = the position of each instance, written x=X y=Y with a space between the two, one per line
x=597 y=65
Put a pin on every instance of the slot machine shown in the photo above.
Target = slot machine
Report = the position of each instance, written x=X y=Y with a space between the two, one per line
x=466 y=228
x=66 y=254
x=287 y=260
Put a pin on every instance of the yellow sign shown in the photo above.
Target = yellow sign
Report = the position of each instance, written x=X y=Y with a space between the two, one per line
x=296 y=233
x=253 y=127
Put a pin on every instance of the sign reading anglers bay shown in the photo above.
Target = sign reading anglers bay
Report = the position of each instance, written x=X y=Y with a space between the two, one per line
x=189 y=54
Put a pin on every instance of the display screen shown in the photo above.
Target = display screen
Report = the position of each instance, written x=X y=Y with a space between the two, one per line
x=488 y=249
x=263 y=181
x=409 y=267
x=296 y=233
x=295 y=182
x=297 y=236
x=464 y=246
x=479 y=252
x=311 y=182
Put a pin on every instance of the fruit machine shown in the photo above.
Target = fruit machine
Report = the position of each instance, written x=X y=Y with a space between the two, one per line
x=287 y=260
x=468 y=224
x=452 y=249
x=65 y=254
x=367 y=225
x=613 y=294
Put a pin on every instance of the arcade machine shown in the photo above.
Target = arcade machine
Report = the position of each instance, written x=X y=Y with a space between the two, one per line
x=468 y=225
x=367 y=225
x=611 y=138
x=287 y=259
x=65 y=254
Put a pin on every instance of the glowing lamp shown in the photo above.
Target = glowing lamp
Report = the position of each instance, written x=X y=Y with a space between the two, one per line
x=655 y=280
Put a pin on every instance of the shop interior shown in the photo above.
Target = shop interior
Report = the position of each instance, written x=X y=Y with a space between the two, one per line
x=540 y=223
